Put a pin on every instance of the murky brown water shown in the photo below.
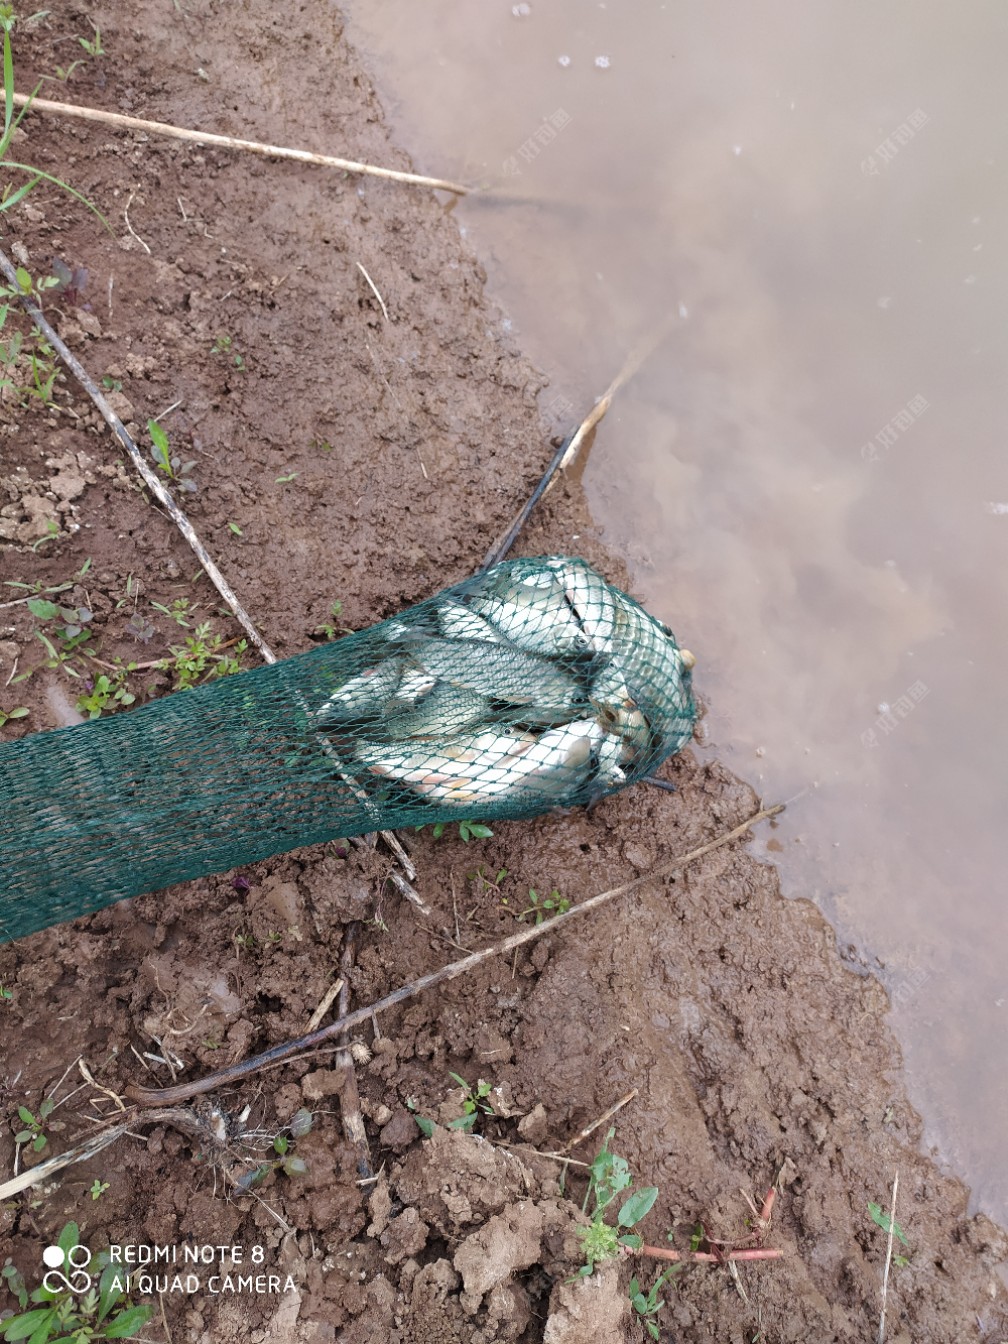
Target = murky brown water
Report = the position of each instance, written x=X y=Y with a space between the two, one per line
x=808 y=475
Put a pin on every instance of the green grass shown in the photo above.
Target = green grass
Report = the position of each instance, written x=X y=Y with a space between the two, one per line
x=65 y=634
x=61 y=1315
x=169 y=464
x=28 y=367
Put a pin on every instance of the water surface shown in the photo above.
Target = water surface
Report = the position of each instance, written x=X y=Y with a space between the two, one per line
x=808 y=476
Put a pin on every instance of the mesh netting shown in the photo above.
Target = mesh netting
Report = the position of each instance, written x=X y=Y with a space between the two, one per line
x=532 y=686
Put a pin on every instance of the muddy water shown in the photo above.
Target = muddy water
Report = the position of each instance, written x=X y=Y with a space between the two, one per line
x=807 y=206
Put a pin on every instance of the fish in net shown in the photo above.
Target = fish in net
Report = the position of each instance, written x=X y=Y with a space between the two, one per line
x=534 y=685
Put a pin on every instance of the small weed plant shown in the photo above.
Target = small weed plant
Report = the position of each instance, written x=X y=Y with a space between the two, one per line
x=33 y=1127
x=27 y=362
x=648 y=1304
x=202 y=658
x=28 y=368
x=169 y=464
x=474 y=1103
x=179 y=611
x=68 y=631
x=329 y=630
x=468 y=830
x=61 y=1315
x=224 y=345
x=64 y=631
x=107 y=693
x=609 y=1176
x=484 y=882
x=284 y=1158
x=882 y=1219
x=541 y=908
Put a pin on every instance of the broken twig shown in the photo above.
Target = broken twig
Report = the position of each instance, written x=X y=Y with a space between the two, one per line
x=888 y=1257
x=571 y=446
x=279 y=1053
x=606 y=1115
x=164 y=498
x=709 y=1257
x=229 y=142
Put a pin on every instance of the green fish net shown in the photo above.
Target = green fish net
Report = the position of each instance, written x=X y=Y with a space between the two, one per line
x=531 y=686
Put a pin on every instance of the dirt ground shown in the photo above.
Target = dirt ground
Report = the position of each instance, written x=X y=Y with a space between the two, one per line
x=342 y=455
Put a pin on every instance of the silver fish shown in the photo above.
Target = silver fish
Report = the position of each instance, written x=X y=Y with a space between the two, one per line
x=413 y=687
x=620 y=715
x=562 y=760
x=366 y=694
x=497 y=671
x=659 y=672
x=591 y=599
x=533 y=613
x=443 y=710
x=458 y=622
x=449 y=771
x=609 y=762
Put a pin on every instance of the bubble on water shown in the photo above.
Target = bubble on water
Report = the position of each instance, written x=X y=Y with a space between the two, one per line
x=602 y=62
x=683 y=310
x=736 y=150
x=564 y=61
x=521 y=11
x=883 y=706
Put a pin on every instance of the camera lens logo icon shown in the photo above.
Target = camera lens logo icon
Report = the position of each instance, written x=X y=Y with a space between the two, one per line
x=74 y=1261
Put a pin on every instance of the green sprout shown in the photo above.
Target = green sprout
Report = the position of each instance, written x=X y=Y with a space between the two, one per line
x=468 y=830
x=329 y=630
x=647 y=1305
x=608 y=1177
x=284 y=1158
x=885 y=1222
x=169 y=464
x=8 y=199
x=543 y=907
x=33 y=1129
x=107 y=693
x=63 y=1317
x=202 y=658
x=474 y=1104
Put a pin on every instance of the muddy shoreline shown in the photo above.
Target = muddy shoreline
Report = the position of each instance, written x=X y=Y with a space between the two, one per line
x=343 y=456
